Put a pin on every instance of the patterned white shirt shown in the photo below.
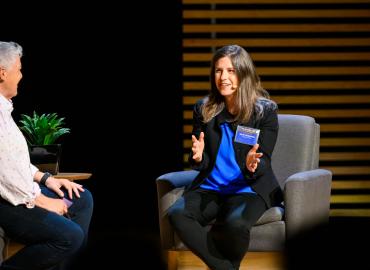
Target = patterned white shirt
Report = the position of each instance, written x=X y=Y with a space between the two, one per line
x=16 y=171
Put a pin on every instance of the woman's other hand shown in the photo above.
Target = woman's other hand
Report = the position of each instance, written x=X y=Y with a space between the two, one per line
x=198 y=147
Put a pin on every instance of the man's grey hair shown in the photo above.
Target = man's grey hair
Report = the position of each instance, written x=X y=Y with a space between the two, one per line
x=9 y=51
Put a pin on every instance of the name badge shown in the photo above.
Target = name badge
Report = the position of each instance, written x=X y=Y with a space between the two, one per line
x=247 y=135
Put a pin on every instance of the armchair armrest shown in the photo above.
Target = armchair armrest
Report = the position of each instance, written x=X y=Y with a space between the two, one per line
x=177 y=179
x=307 y=200
x=170 y=187
x=171 y=181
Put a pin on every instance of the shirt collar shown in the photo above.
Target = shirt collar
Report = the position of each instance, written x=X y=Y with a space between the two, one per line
x=6 y=104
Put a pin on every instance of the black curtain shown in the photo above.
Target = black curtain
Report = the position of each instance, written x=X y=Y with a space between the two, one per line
x=114 y=72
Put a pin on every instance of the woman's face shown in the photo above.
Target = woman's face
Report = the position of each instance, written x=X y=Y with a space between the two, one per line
x=225 y=77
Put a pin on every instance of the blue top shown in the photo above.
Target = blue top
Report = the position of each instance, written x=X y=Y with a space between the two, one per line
x=226 y=177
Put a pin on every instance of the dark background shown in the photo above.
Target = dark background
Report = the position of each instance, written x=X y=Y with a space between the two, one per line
x=114 y=72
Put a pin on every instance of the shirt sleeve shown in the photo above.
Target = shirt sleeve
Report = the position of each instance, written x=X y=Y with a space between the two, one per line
x=16 y=179
x=34 y=170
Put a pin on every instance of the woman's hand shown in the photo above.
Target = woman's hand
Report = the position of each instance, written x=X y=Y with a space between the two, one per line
x=253 y=158
x=56 y=183
x=198 y=147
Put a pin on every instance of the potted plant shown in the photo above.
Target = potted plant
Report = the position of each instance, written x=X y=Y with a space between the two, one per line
x=41 y=133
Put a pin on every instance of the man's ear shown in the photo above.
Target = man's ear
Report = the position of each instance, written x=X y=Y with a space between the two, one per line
x=2 y=74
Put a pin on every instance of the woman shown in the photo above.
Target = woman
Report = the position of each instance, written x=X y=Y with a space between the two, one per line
x=236 y=184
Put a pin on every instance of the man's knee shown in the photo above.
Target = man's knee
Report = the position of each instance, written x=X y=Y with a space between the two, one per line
x=71 y=239
x=86 y=199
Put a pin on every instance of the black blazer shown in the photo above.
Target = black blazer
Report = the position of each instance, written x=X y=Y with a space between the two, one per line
x=263 y=180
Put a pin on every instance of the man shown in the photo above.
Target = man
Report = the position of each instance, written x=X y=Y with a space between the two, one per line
x=50 y=216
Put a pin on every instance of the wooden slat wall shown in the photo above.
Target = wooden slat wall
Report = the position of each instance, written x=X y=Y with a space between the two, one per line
x=313 y=57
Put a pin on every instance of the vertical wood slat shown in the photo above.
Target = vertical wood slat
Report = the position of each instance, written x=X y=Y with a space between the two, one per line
x=314 y=58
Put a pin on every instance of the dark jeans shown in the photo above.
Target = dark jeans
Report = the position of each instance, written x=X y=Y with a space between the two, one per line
x=225 y=244
x=50 y=239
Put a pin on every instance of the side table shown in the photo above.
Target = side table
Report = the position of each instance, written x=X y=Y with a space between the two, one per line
x=73 y=176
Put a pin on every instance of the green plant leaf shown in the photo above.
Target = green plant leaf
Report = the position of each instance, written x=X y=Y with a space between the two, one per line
x=42 y=129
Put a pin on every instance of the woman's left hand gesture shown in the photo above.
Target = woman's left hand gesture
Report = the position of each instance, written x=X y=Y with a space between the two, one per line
x=56 y=183
x=253 y=158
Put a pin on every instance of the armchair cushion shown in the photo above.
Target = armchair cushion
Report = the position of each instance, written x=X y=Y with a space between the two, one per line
x=267 y=237
x=271 y=215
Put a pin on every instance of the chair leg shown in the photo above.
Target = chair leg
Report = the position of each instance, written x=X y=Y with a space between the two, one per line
x=11 y=247
x=172 y=260
x=5 y=242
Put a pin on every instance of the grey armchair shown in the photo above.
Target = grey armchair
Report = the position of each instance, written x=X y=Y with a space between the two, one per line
x=306 y=190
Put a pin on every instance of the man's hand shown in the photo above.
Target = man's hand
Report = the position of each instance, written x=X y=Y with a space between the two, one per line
x=56 y=183
x=54 y=205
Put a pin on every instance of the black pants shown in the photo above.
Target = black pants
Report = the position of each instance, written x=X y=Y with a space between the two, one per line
x=225 y=244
